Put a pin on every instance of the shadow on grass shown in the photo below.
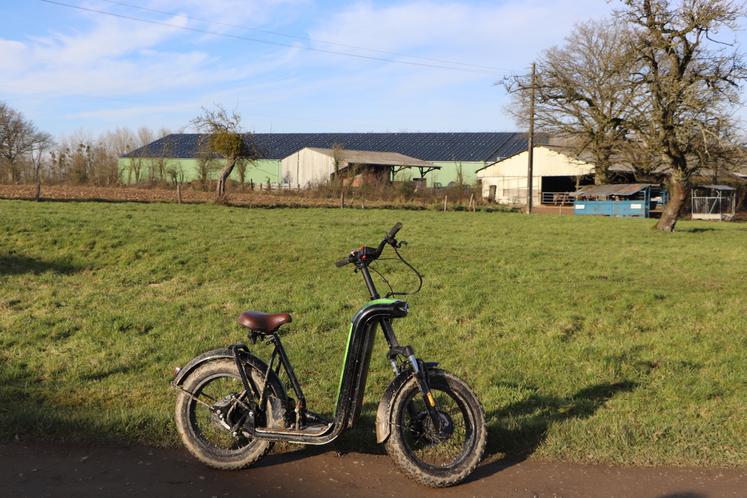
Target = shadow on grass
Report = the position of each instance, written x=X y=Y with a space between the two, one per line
x=518 y=429
x=30 y=408
x=515 y=430
x=14 y=264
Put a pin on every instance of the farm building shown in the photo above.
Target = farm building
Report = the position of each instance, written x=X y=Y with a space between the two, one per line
x=312 y=166
x=457 y=154
x=555 y=175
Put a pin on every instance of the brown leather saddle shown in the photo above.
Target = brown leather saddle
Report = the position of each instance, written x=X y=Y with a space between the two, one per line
x=265 y=323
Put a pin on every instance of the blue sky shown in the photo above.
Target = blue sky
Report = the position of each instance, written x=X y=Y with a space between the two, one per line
x=71 y=70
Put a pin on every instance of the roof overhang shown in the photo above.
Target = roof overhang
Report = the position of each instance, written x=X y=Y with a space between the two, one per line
x=622 y=189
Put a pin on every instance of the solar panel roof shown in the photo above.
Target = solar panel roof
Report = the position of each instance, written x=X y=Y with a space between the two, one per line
x=441 y=146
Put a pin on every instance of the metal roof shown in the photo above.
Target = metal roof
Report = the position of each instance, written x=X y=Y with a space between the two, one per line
x=622 y=189
x=458 y=146
x=372 y=157
x=716 y=187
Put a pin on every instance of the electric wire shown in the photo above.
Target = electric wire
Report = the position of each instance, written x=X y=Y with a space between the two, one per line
x=262 y=41
x=305 y=38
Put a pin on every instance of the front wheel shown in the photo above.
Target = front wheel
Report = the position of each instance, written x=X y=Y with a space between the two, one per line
x=444 y=455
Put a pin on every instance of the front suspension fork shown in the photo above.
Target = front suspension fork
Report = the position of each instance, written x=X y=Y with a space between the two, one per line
x=420 y=370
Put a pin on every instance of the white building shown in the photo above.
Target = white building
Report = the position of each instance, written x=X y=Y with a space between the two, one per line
x=554 y=174
x=312 y=166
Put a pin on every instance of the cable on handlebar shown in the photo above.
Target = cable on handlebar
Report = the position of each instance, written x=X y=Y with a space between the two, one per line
x=414 y=270
x=391 y=292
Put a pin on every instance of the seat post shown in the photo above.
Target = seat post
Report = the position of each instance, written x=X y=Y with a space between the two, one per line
x=301 y=402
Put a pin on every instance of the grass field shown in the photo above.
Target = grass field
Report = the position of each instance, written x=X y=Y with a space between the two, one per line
x=587 y=339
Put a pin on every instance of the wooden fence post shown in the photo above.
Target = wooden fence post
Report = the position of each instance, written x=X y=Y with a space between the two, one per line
x=446 y=199
x=342 y=199
x=178 y=193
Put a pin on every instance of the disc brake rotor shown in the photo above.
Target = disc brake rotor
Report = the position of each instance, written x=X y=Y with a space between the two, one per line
x=434 y=435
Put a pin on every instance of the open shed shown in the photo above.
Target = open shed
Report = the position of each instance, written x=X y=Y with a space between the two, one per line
x=713 y=202
x=556 y=175
x=312 y=166
x=626 y=199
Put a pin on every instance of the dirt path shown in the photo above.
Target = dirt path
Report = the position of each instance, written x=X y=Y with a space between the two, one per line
x=37 y=470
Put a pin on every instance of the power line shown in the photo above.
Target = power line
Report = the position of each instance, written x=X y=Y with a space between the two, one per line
x=266 y=42
x=305 y=38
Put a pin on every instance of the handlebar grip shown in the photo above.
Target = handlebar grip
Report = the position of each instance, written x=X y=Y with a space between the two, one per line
x=342 y=262
x=394 y=230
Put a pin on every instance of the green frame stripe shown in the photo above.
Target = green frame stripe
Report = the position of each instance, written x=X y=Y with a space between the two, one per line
x=374 y=302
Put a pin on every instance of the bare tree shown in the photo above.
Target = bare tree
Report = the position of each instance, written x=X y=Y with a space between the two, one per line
x=176 y=173
x=40 y=143
x=241 y=167
x=16 y=140
x=583 y=91
x=226 y=139
x=690 y=80
x=206 y=163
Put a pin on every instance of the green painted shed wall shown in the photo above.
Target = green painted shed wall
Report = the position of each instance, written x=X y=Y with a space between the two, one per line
x=447 y=173
x=264 y=169
x=258 y=172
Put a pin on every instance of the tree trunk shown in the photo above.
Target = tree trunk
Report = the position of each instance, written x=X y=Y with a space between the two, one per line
x=600 y=175
x=220 y=190
x=678 y=189
x=602 y=168
x=37 y=195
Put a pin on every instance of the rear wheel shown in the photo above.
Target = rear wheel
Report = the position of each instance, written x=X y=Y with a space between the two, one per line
x=442 y=454
x=216 y=404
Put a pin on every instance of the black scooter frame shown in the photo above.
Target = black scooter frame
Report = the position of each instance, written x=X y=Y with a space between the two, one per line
x=378 y=313
x=354 y=374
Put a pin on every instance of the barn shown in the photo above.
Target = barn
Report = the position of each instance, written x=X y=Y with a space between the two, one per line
x=457 y=154
x=556 y=173
x=312 y=166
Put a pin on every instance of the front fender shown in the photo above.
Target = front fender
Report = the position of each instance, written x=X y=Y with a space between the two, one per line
x=384 y=412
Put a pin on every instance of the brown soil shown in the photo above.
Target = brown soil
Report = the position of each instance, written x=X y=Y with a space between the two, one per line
x=236 y=197
x=37 y=470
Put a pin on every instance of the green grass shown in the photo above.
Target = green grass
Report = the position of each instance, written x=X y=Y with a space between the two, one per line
x=587 y=339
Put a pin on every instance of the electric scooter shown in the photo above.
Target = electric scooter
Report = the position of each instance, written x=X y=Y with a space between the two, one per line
x=231 y=406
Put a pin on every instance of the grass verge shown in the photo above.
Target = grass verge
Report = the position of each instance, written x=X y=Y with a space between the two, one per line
x=587 y=339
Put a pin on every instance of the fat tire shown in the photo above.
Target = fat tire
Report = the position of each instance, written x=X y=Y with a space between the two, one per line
x=209 y=455
x=395 y=445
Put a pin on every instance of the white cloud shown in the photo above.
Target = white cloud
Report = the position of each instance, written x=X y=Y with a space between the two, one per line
x=496 y=34
x=118 y=57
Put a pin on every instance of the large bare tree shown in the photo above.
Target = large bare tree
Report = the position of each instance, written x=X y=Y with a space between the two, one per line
x=16 y=141
x=225 y=138
x=690 y=78
x=583 y=91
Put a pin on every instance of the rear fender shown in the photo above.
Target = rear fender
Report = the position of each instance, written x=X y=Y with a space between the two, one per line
x=277 y=413
x=215 y=354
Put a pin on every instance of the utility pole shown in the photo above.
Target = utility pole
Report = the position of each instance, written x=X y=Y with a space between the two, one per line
x=530 y=141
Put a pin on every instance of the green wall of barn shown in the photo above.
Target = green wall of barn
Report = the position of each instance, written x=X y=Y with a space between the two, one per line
x=265 y=169
x=259 y=172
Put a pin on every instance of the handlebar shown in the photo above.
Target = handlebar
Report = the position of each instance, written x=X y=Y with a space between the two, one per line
x=368 y=254
x=396 y=228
